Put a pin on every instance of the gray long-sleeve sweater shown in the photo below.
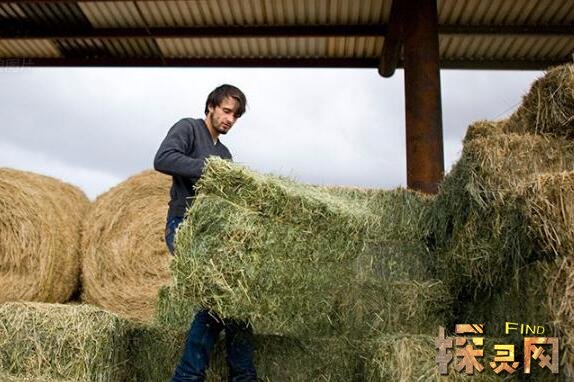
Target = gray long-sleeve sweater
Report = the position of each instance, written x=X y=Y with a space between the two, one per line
x=182 y=155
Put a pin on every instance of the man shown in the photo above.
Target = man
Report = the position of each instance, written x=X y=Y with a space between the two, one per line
x=182 y=155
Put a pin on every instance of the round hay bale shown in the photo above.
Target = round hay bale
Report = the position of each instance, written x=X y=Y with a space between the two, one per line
x=548 y=108
x=125 y=259
x=40 y=219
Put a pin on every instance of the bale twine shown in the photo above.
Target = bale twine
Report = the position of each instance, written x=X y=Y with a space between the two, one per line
x=125 y=259
x=40 y=219
x=548 y=108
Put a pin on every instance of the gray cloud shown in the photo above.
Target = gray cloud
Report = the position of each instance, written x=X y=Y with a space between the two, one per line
x=93 y=127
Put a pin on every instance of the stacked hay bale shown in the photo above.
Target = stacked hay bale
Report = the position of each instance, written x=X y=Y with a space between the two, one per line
x=305 y=262
x=550 y=212
x=63 y=342
x=501 y=216
x=40 y=219
x=477 y=221
x=548 y=109
x=278 y=358
x=405 y=357
x=125 y=260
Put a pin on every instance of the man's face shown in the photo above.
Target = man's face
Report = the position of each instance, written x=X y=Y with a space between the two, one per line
x=223 y=117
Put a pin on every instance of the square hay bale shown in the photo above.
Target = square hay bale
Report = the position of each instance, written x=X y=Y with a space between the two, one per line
x=63 y=342
x=541 y=296
x=405 y=358
x=549 y=207
x=18 y=378
x=388 y=214
x=548 y=108
x=157 y=351
x=550 y=210
x=297 y=259
x=484 y=129
x=477 y=224
x=525 y=300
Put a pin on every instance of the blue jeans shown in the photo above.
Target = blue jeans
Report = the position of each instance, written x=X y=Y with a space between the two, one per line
x=203 y=334
x=170 y=228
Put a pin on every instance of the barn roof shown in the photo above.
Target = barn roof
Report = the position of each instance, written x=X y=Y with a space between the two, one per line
x=477 y=34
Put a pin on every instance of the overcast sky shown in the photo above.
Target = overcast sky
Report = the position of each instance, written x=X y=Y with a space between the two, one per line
x=96 y=127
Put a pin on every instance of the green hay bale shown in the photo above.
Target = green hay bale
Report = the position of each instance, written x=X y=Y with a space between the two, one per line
x=405 y=358
x=478 y=222
x=276 y=358
x=294 y=279
x=484 y=129
x=370 y=308
x=548 y=108
x=388 y=214
x=15 y=378
x=155 y=352
x=52 y=341
x=525 y=300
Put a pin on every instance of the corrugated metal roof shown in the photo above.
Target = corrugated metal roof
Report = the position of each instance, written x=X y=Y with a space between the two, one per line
x=286 y=47
x=235 y=12
x=137 y=21
x=505 y=12
x=505 y=48
x=28 y=48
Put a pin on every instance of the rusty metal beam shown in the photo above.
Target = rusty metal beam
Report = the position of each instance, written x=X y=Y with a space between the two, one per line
x=62 y=33
x=71 y=1
x=393 y=40
x=500 y=64
x=193 y=62
x=286 y=62
x=14 y=29
x=425 y=160
x=511 y=30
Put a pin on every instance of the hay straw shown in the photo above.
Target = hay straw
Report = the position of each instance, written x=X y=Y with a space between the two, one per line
x=483 y=129
x=276 y=358
x=40 y=221
x=53 y=341
x=477 y=222
x=550 y=209
x=548 y=108
x=125 y=259
x=14 y=378
x=405 y=358
x=297 y=259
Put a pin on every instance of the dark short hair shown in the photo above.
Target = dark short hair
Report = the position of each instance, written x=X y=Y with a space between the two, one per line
x=222 y=92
